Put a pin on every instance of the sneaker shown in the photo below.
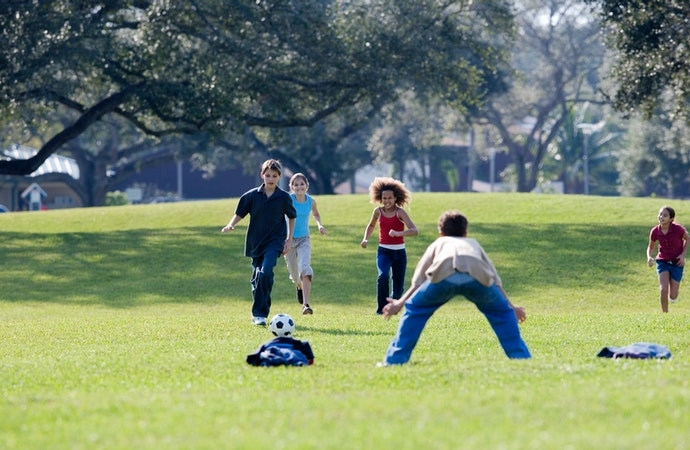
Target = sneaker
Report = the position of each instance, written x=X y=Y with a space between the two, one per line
x=382 y=364
x=261 y=321
x=300 y=296
x=672 y=300
x=307 y=310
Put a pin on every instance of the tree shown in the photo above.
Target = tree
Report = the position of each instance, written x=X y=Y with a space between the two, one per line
x=590 y=131
x=556 y=61
x=653 y=58
x=329 y=153
x=211 y=66
x=656 y=159
x=408 y=133
x=109 y=152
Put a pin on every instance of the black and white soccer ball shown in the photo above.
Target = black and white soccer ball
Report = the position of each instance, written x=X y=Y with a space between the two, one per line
x=282 y=325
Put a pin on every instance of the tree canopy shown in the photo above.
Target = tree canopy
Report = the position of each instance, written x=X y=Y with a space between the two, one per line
x=177 y=66
x=556 y=59
x=653 y=56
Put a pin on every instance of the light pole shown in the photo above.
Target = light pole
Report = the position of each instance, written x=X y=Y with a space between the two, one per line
x=588 y=129
x=492 y=167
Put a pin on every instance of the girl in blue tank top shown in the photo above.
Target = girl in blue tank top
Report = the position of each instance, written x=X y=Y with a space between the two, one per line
x=298 y=259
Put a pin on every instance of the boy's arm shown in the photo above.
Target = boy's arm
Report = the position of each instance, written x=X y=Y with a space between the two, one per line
x=423 y=264
x=231 y=225
x=519 y=310
x=244 y=206
x=395 y=305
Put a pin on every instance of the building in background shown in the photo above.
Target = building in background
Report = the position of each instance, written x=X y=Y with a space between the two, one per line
x=56 y=179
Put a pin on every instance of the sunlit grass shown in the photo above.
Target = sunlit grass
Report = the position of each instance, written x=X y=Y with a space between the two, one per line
x=128 y=327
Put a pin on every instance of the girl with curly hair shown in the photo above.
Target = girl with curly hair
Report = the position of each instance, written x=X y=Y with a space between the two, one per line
x=394 y=224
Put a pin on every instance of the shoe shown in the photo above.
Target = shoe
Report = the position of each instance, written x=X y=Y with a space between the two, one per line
x=382 y=364
x=300 y=296
x=307 y=310
x=672 y=300
x=261 y=321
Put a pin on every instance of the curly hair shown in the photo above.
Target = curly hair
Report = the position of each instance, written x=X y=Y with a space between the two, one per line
x=380 y=184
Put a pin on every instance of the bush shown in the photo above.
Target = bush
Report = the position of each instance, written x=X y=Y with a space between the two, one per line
x=116 y=198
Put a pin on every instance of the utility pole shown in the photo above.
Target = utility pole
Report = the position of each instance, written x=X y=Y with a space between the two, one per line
x=588 y=129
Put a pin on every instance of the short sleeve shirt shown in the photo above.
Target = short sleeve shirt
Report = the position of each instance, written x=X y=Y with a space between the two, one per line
x=267 y=228
x=671 y=243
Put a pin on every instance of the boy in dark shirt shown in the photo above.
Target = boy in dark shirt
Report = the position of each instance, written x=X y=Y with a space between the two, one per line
x=268 y=236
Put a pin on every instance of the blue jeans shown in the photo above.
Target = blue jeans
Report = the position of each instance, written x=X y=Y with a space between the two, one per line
x=388 y=261
x=430 y=296
x=262 y=282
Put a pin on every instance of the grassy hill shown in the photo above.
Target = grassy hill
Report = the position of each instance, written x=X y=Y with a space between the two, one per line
x=127 y=327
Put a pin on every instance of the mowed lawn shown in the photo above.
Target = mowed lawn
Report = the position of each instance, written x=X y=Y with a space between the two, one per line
x=128 y=328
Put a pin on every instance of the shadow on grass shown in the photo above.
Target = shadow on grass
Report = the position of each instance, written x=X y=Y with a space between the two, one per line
x=342 y=332
x=198 y=264
x=570 y=257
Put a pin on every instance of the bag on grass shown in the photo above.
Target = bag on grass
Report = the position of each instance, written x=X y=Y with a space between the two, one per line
x=639 y=350
x=282 y=351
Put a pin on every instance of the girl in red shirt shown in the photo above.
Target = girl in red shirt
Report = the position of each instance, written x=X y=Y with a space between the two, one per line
x=392 y=219
x=670 y=259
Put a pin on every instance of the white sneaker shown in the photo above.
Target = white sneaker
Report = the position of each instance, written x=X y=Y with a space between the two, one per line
x=672 y=300
x=259 y=321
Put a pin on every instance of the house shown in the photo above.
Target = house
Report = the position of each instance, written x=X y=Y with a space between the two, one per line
x=169 y=178
x=49 y=179
x=34 y=196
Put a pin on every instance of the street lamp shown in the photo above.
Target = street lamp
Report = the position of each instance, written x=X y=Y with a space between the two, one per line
x=588 y=129
x=492 y=167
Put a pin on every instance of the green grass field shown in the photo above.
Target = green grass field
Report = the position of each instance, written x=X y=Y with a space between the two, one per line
x=128 y=327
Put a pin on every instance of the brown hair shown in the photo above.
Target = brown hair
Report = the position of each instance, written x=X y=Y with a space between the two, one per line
x=380 y=184
x=297 y=176
x=271 y=164
x=453 y=223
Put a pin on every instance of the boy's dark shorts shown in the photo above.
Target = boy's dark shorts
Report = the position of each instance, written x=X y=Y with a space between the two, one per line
x=672 y=268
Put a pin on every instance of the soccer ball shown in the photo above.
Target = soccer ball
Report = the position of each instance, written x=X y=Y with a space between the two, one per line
x=282 y=325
